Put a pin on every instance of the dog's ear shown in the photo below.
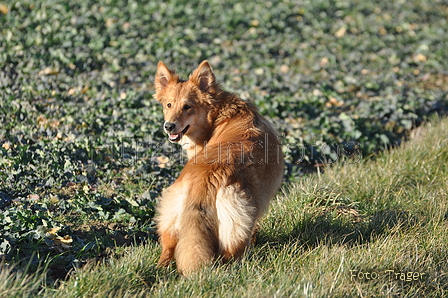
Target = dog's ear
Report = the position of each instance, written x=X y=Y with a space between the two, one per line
x=204 y=78
x=164 y=76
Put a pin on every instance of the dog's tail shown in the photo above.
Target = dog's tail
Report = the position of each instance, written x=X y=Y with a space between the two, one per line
x=198 y=235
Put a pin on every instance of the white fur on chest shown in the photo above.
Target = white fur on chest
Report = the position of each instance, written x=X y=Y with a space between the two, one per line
x=189 y=146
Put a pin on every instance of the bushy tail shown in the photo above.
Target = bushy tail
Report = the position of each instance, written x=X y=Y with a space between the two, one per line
x=198 y=235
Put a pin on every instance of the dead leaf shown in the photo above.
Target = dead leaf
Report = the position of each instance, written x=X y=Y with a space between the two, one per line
x=53 y=199
x=52 y=232
x=162 y=161
x=34 y=198
x=63 y=242
x=255 y=23
x=4 y=9
x=317 y=92
x=340 y=32
x=365 y=71
x=48 y=71
x=126 y=25
x=41 y=120
x=110 y=22
x=284 y=68
x=323 y=61
x=419 y=57
x=335 y=102
x=259 y=71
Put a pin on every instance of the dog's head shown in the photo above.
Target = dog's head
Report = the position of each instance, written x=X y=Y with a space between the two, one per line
x=186 y=104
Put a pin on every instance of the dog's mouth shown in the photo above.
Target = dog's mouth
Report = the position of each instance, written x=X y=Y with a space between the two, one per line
x=175 y=137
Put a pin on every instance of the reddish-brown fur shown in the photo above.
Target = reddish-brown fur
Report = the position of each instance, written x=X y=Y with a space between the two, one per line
x=234 y=168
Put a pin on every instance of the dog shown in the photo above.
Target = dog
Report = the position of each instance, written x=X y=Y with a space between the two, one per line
x=234 y=168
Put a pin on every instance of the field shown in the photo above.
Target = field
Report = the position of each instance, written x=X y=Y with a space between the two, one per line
x=357 y=89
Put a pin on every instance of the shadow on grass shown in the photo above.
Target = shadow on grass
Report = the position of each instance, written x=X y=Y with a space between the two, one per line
x=331 y=229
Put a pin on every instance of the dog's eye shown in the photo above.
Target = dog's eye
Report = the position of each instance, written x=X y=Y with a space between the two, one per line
x=187 y=107
x=168 y=105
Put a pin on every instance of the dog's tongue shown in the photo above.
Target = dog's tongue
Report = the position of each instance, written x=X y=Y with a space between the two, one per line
x=174 y=136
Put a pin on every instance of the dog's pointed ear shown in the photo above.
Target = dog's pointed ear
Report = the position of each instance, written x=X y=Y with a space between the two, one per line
x=203 y=77
x=164 y=76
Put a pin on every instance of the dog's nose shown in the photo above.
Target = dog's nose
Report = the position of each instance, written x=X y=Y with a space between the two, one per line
x=169 y=126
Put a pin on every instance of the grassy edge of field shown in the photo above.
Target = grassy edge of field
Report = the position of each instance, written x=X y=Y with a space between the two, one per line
x=375 y=228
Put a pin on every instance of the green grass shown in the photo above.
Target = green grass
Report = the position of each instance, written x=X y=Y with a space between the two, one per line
x=386 y=217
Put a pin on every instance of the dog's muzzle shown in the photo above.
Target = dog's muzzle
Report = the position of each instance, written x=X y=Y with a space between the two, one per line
x=170 y=127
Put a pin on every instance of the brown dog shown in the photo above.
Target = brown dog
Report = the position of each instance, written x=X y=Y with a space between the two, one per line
x=235 y=167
